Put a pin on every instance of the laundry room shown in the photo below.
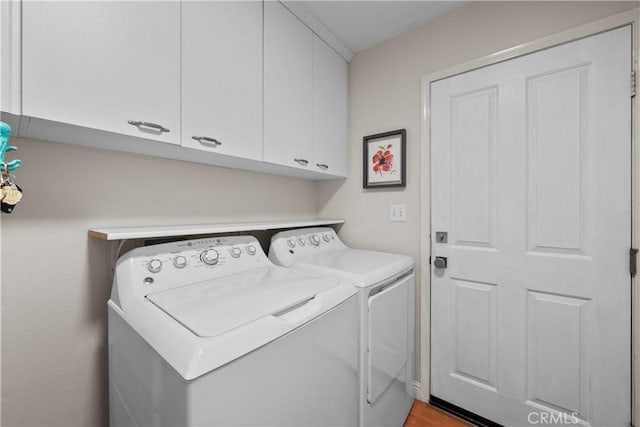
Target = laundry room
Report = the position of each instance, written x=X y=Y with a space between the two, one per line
x=99 y=181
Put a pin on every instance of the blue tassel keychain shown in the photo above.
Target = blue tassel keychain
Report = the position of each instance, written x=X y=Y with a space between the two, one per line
x=10 y=192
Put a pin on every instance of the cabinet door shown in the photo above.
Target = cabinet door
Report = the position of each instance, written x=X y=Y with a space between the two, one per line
x=101 y=64
x=330 y=77
x=287 y=88
x=10 y=58
x=222 y=77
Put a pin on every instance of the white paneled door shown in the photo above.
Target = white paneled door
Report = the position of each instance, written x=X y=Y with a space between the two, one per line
x=531 y=179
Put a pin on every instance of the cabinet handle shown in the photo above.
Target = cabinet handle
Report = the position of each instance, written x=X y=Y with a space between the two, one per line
x=139 y=123
x=205 y=140
x=302 y=162
x=322 y=166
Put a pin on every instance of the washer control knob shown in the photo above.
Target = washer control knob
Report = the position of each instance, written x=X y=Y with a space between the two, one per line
x=301 y=241
x=154 y=266
x=179 y=262
x=314 y=239
x=251 y=250
x=291 y=243
x=235 y=252
x=326 y=237
x=210 y=256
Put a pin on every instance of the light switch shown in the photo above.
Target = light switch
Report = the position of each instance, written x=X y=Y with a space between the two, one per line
x=398 y=213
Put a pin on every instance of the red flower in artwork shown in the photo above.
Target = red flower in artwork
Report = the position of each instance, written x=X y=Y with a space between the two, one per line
x=383 y=159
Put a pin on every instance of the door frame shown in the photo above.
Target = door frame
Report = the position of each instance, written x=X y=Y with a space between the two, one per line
x=631 y=17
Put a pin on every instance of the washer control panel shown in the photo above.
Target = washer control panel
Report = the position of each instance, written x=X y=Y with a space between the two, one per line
x=169 y=265
x=287 y=246
x=203 y=252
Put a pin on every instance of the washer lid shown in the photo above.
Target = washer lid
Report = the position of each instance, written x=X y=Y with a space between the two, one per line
x=214 y=307
x=363 y=268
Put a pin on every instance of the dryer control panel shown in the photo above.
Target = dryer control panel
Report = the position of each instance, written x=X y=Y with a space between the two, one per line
x=287 y=246
x=165 y=266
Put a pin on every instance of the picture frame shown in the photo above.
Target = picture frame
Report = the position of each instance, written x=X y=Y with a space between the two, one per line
x=384 y=159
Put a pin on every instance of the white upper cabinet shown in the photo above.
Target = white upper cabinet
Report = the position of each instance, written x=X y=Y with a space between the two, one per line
x=10 y=62
x=241 y=84
x=107 y=65
x=222 y=77
x=330 y=80
x=288 y=87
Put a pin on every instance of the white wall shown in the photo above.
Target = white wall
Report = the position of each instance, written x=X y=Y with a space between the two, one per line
x=384 y=94
x=56 y=279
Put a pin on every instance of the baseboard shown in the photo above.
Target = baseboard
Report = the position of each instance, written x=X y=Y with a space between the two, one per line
x=459 y=412
x=417 y=390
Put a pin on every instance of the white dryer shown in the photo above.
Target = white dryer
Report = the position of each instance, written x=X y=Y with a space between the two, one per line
x=386 y=287
x=209 y=332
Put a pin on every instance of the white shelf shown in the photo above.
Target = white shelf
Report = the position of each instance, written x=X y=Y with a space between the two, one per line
x=147 y=232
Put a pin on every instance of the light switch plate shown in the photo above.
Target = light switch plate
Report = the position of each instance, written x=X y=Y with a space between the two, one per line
x=398 y=213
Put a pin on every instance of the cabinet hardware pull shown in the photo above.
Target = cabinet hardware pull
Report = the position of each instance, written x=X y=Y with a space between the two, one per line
x=205 y=140
x=139 y=123
x=322 y=166
x=302 y=162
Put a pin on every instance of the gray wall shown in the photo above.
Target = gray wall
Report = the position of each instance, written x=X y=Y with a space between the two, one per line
x=385 y=94
x=56 y=280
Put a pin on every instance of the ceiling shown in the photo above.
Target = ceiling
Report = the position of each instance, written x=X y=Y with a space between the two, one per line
x=362 y=24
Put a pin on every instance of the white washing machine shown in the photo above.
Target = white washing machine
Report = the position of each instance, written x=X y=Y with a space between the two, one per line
x=209 y=332
x=386 y=287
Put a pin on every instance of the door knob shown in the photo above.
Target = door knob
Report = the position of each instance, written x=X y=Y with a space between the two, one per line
x=440 y=262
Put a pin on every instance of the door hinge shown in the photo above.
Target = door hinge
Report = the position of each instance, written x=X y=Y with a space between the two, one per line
x=429 y=259
x=633 y=261
x=633 y=83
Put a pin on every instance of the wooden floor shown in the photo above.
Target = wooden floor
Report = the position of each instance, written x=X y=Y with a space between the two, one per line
x=424 y=415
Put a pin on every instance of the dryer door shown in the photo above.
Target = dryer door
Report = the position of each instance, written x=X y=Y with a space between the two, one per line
x=388 y=337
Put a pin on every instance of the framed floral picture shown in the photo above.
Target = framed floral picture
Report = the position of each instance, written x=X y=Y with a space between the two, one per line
x=385 y=159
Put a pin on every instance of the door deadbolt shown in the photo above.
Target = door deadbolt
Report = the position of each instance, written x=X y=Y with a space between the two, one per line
x=442 y=237
x=440 y=262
